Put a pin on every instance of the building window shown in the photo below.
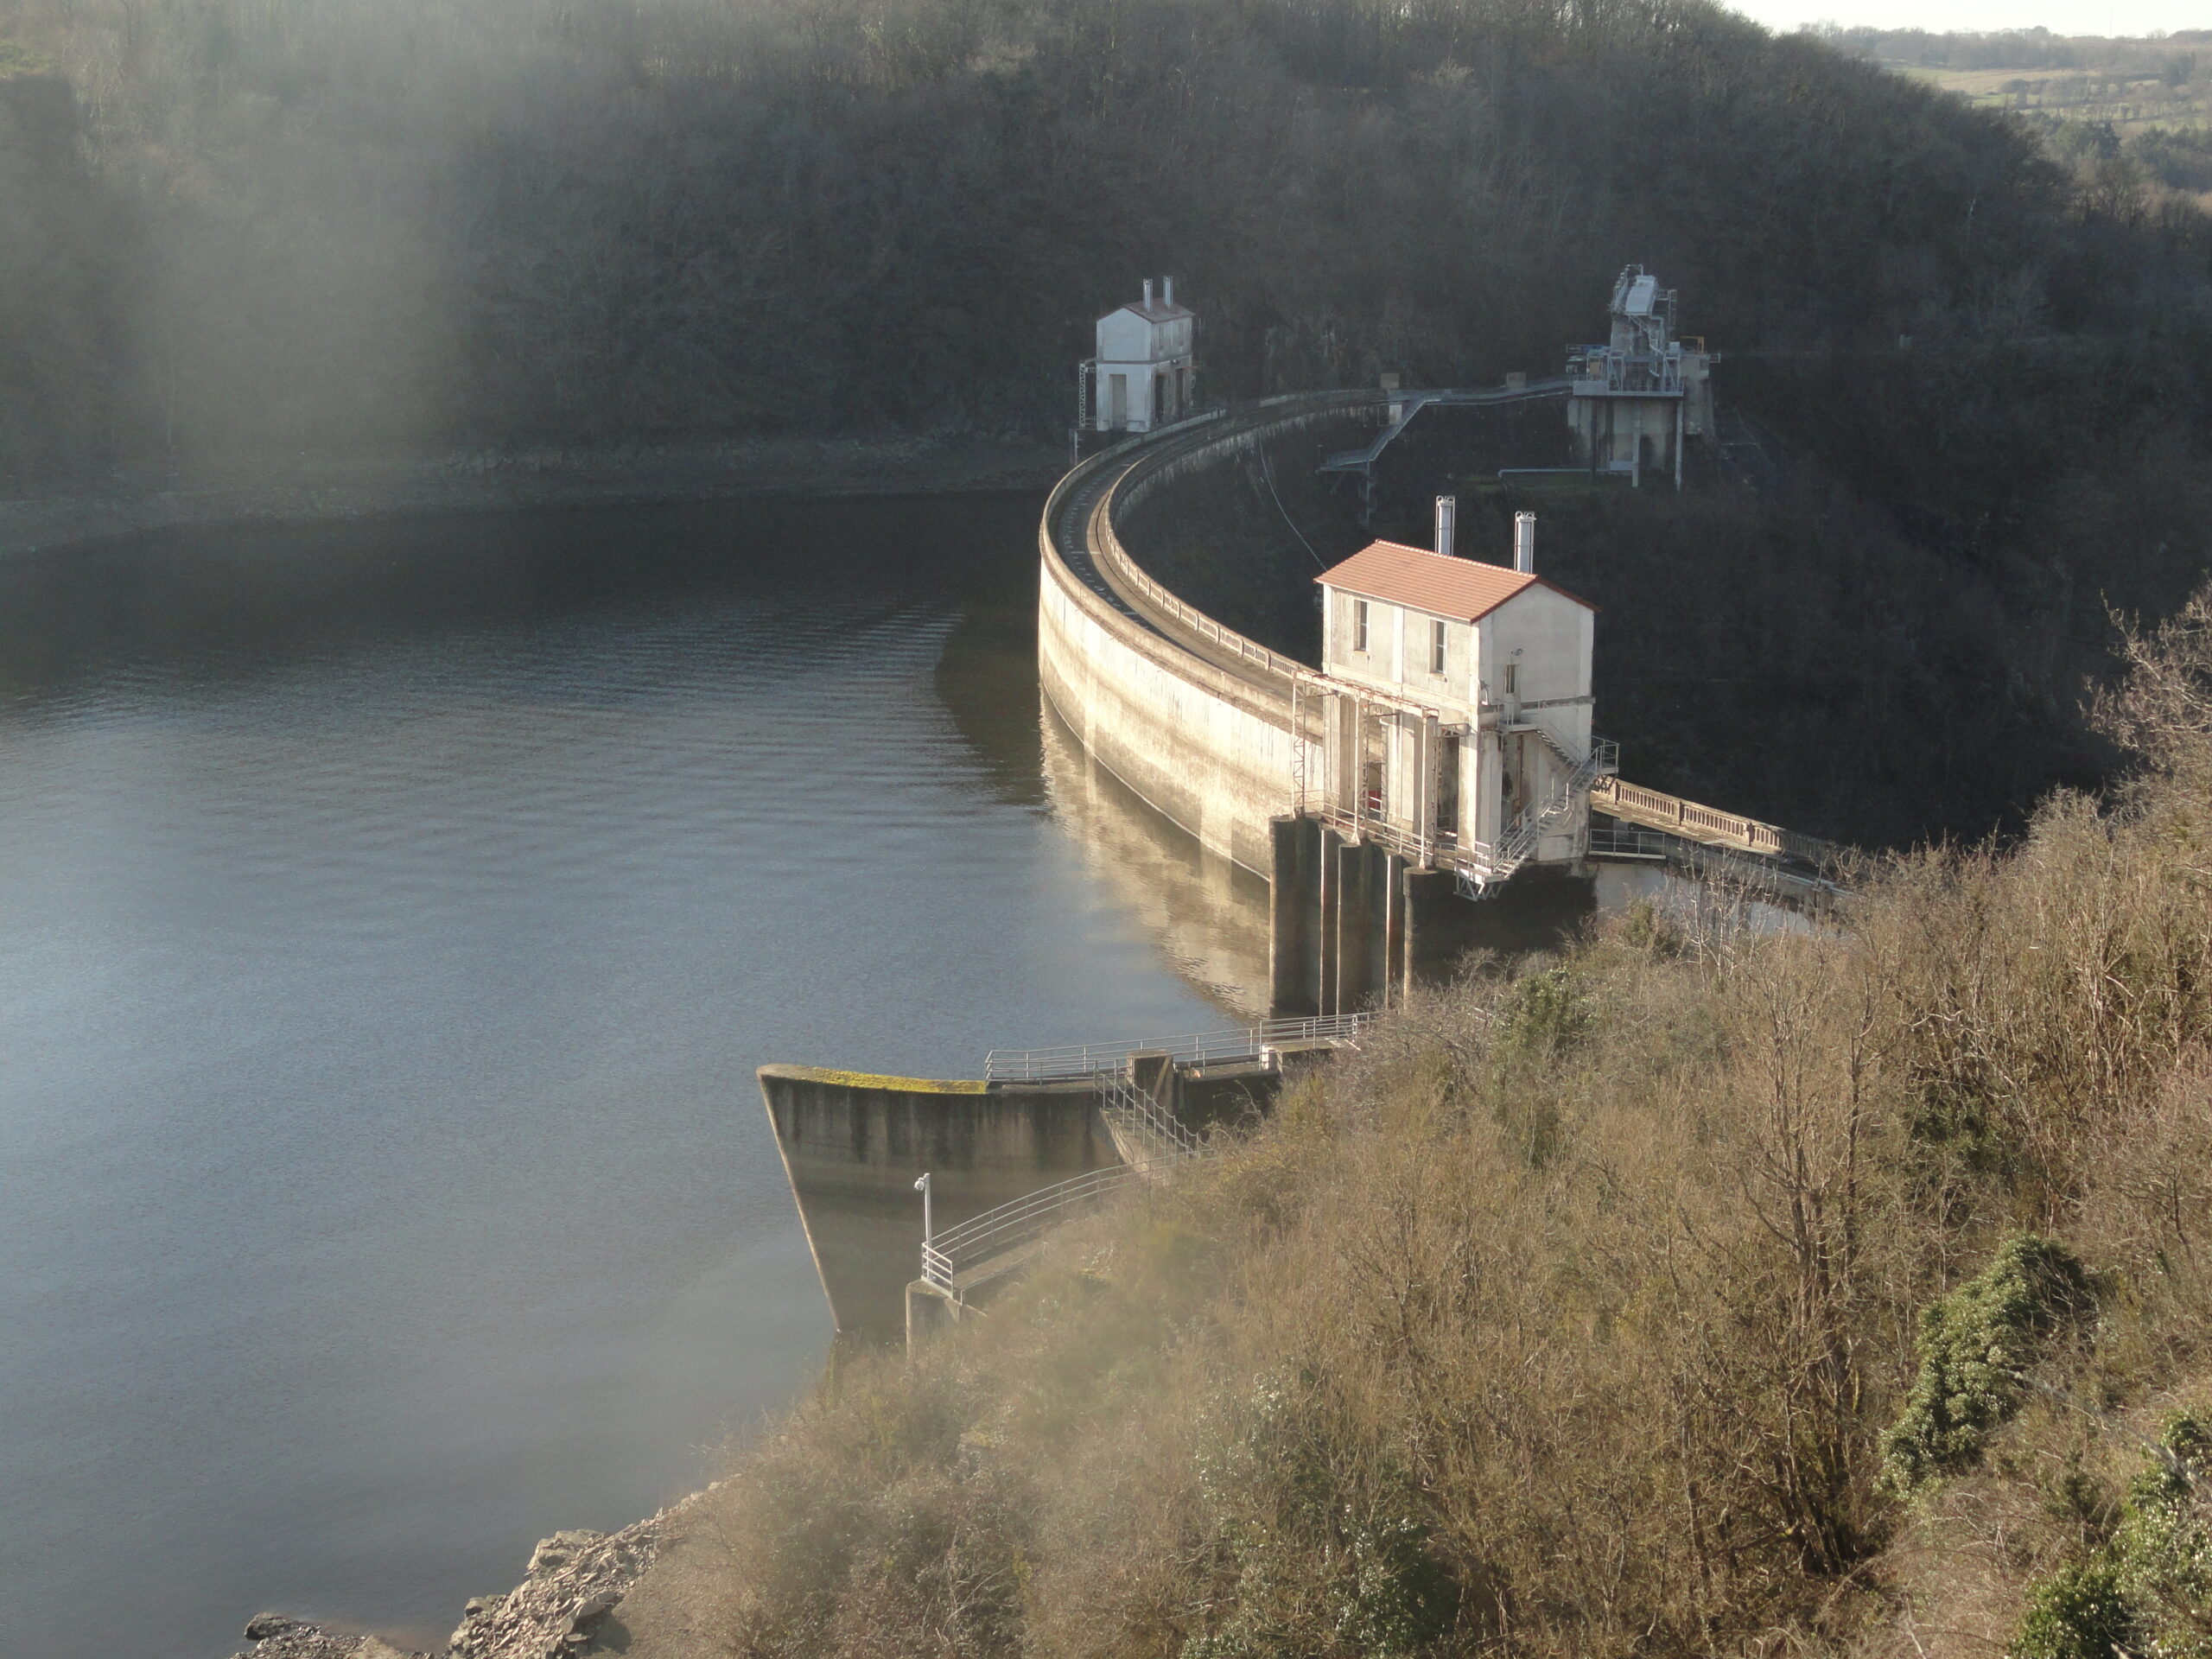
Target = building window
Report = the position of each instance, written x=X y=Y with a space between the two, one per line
x=1359 y=625
x=1513 y=679
x=1436 y=647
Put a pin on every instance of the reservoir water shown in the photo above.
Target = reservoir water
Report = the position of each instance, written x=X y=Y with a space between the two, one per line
x=392 y=918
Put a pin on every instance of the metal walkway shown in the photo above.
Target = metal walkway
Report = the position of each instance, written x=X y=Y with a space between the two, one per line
x=1074 y=1061
x=1363 y=460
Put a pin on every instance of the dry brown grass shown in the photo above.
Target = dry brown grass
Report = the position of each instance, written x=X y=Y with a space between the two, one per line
x=1565 y=1319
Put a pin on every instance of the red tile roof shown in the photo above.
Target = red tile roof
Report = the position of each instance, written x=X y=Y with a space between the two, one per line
x=1435 y=583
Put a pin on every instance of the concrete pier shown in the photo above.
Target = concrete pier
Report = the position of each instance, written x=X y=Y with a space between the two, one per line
x=853 y=1143
x=1354 y=927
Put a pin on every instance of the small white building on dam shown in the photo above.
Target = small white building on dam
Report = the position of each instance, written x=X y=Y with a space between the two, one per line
x=1145 y=374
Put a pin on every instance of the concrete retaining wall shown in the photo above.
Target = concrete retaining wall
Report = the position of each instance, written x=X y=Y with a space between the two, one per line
x=852 y=1145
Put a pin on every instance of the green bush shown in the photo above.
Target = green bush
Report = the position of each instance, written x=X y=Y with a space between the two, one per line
x=2163 y=1551
x=1975 y=1347
x=1544 y=1015
x=2150 y=1593
x=2079 y=1612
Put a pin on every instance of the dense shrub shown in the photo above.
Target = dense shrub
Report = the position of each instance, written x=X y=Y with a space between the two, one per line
x=2077 y=1613
x=2163 y=1549
x=2148 y=1590
x=1977 y=1347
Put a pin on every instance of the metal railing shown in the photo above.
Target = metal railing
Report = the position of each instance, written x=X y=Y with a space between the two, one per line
x=1627 y=840
x=1756 y=873
x=1519 y=846
x=1123 y=572
x=951 y=1261
x=987 y=1247
x=1106 y=547
x=1478 y=864
x=1074 y=1061
x=1145 y=1123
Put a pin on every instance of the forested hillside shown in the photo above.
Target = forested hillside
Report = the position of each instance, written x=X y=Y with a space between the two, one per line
x=240 y=227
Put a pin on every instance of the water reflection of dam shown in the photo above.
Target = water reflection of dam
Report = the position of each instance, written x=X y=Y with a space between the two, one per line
x=1209 y=915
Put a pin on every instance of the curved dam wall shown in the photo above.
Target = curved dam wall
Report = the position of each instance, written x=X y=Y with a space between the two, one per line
x=1194 y=718
x=1204 y=749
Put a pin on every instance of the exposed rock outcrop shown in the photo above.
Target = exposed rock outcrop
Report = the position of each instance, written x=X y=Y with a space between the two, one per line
x=274 y=1635
x=575 y=1581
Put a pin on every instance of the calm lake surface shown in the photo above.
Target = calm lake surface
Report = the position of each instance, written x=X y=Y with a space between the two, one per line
x=391 y=918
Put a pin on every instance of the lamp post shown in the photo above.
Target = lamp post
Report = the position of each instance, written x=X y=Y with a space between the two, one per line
x=922 y=1186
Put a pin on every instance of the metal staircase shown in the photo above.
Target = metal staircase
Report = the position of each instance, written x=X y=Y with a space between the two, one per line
x=960 y=1261
x=1144 y=1132
x=1546 y=818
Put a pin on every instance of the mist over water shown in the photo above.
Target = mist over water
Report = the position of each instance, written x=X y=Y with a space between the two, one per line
x=390 y=921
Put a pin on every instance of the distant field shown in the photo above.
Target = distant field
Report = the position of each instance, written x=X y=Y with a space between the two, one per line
x=2130 y=101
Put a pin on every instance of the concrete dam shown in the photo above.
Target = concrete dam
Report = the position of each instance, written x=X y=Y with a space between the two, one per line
x=1433 y=783
x=1338 y=789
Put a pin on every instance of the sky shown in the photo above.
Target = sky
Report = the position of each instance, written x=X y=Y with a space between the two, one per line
x=2060 y=16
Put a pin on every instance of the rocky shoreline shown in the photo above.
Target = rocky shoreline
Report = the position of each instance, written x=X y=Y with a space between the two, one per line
x=567 y=1605
x=296 y=489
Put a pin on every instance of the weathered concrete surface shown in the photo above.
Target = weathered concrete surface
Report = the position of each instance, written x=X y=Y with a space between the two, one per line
x=1209 y=749
x=1189 y=718
x=853 y=1144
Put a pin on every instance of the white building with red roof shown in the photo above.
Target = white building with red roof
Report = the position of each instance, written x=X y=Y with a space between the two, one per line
x=1464 y=722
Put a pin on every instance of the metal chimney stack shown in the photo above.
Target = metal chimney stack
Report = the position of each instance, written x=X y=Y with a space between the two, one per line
x=1167 y=290
x=1447 y=512
x=1524 y=542
x=1147 y=293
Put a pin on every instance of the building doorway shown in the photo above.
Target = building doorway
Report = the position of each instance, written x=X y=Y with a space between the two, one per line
x=1519 y=780
x=1447 y=789
x=1371 y=797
